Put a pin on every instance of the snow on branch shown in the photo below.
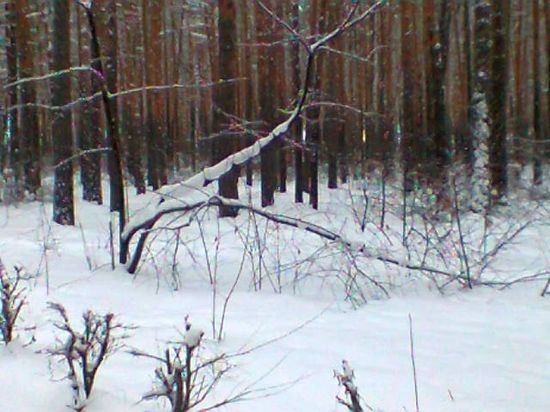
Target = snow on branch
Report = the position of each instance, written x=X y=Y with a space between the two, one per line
x=346 y=379
x=12 y=300
x=84 y=352
x=148 y=217
x=322 y=232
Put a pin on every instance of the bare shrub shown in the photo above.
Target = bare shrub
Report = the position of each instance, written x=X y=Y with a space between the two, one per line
x=84 y=352
x=183 y=377
x=346 y=379
x=12 y=300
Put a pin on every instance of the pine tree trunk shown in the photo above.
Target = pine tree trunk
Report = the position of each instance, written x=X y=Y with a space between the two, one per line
x=479 y=106
x=29 y=131
x=225 y=99
x=266 y=102
x=411 y=145
x=89 y=130
x=63 y=202
x=132 y=105
x=297 y=128
x=437 y=39
x=541 y=77
x=11 y=118
x=332 y=122
x=317 y=26
x=152 y=26
x=280 y=86
x=498 y=161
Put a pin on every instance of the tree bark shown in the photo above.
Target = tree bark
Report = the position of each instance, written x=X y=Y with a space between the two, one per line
x=63 y=201
x=225 y=99
x=297 y=128
x=498 y=160
x=266 y=102
x=29 y=131
x=89 y=121
x=155 y=127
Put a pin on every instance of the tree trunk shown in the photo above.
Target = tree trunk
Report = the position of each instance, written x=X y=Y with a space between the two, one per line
x=437 y=47
x=317 y=26
x=266 y=101
x=152 y=26
x=479 y=107
x=498 y=161
x=225 y=99
x=11 y=118
x=333 y=118
x=132 y=105
x=63 y=202
x=29 y=132
x=89 y=129
x=297 y=127
x=412 y=142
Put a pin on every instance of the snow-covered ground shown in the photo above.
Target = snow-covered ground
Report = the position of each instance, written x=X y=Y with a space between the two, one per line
x=481 y=350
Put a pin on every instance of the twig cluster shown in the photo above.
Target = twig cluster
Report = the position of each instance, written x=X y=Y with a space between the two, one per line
x=183 y=378
x=12 y=299
x=346 y=379
x=84 y=352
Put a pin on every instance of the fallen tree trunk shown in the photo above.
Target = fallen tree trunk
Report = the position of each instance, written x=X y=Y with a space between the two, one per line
x=147 y=219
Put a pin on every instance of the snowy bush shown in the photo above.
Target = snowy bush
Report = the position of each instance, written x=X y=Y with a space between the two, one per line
x=84 y=352
x=12 y=299
x=346 y=379
x=184 y=378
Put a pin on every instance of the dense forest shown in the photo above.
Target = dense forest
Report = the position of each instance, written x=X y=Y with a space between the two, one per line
x=310 y=202
x=156 y=89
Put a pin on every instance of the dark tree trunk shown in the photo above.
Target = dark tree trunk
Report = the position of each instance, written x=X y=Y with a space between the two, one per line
x=106 y=15
x=225 y=99
x=11 y=118
x=132 y=105
x=465 y=142
x=63 y=202
x=89 y=129
x=115 y=160
x=280 y=87
x=334 y=82
x=317 y=26
x=102 y=80
x=437 y=52
x=539 y=120
x=29 y=131
x=412 y=146
x=152 y=26
x=266 y=89
x=297 y=127
x=497 y=104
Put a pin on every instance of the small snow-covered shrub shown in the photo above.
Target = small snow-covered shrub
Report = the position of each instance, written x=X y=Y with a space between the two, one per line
x=10 y=193
x=84 y=352
x=12 y=299
x=184 y=378
x=346 y=379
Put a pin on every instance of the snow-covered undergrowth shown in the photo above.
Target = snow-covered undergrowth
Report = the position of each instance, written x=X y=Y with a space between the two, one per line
x=298 y=301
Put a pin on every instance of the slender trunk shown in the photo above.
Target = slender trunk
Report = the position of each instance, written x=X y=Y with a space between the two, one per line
x=89 y=131
x=317 y=26
x=29 y=131
x=225 y=99
x=114 y=157
x=498 y=161
x=63 y=201
x=297 y=128
x=152 y=26
x=133 y=103
x=11 y=118
x=266 y=102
